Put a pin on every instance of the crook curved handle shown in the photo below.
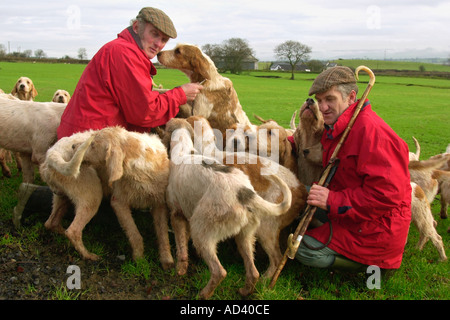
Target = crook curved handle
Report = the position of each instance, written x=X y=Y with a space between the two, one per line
x=370 y=72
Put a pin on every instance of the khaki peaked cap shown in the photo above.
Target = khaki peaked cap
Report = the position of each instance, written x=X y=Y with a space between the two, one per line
x=159 y=19
x=332 y=77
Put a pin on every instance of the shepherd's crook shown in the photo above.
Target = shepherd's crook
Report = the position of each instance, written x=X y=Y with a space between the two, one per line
x=295 y=239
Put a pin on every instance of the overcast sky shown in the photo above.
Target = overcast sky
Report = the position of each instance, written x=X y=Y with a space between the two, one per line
x=333 y=29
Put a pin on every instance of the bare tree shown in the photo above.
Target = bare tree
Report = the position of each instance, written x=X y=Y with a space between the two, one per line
x=235 y=51
x=214 y=51
x=294 y=52
x=230 y=54
x=39 y=53
x=82 y=54
x=2 y=50
x=27 y=53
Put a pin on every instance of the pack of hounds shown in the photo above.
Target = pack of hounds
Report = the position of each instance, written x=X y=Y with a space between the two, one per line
x=209 y=173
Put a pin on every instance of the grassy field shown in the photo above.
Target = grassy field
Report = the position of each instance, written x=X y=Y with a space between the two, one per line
x=381 y=65
x=411 y=106
x=393 y=65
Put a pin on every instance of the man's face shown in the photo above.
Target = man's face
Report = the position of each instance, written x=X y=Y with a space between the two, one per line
x=153 y=40
x=332 y=104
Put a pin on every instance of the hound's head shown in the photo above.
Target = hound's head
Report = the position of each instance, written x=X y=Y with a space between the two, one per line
x=190 y=60
x=205 y=137
x=311 y=115
x=61 y=96
x=313 y=154
x=24 y=89
x=178 y=135
x=273 y=138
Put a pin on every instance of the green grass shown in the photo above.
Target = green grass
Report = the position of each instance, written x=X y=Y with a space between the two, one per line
x=47 y=77
x=411 y=106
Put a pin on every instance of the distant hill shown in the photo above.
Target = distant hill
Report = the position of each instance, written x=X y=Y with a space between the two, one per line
x=394 y=65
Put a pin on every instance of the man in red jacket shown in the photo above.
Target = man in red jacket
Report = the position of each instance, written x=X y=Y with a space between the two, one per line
x=368 y=201
x=116 y=86
x=115 y=89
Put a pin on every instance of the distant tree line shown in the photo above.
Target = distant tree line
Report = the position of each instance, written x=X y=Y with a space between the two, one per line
x=39 y=54
x=229 y=55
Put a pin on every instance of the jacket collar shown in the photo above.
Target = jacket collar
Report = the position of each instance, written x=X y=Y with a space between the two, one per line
x=135 y=37
x=334 y=130
x=129 y=35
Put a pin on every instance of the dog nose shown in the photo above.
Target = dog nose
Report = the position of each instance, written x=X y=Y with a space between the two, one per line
x=305 y=152
x=310 y=101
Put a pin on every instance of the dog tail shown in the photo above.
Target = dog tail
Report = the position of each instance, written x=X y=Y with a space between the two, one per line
x=292 y=123
x=270 y=208
x=417 y=148
x=72 y=167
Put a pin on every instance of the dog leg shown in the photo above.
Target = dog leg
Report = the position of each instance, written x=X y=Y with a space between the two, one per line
x=75 y=231
x=181 y=229
x=18 y=161
x=422 y=241
x=436 y=239
x=5 y=169
x=427 y=232
x=270 y=244
x=127 y=223
x=422 y=226
x=245 y=241
x=60 y=207
x=218 y=273
x=444 y=206
x=160 y=217
x=206 y=245
x=27 y=168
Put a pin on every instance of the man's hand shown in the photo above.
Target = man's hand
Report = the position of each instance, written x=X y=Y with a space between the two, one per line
x=318 y=196
x=191 y=90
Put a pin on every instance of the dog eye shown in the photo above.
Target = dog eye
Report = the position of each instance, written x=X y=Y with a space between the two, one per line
x=177 y=51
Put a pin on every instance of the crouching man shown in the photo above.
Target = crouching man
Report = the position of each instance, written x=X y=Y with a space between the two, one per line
x=368 y=201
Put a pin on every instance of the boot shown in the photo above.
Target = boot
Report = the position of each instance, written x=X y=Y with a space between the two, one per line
x=386 y=274
x=31 y=198
x=343 y=264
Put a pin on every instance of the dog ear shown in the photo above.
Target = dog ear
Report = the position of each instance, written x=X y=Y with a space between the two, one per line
x=34 y=92
x=14 y=90
x=114 y=163
x=201 y=66
x=285 y=154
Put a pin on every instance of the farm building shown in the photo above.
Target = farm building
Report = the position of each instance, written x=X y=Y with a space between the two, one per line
x=250 y=63
x=285 y=66
x=330 y=65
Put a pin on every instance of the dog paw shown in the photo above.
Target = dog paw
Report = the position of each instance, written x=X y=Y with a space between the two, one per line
x=246 y=291
x=91 y=256
x=182 y=268
x=57 y=229
x=168 y=265
x=205 y=294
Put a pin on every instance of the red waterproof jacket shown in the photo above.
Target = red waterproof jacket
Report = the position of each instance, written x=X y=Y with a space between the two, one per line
x=116 y=89
x=369 y=204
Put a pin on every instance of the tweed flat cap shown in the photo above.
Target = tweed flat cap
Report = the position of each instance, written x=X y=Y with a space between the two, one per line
x=332 y=77
x=159 y=19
